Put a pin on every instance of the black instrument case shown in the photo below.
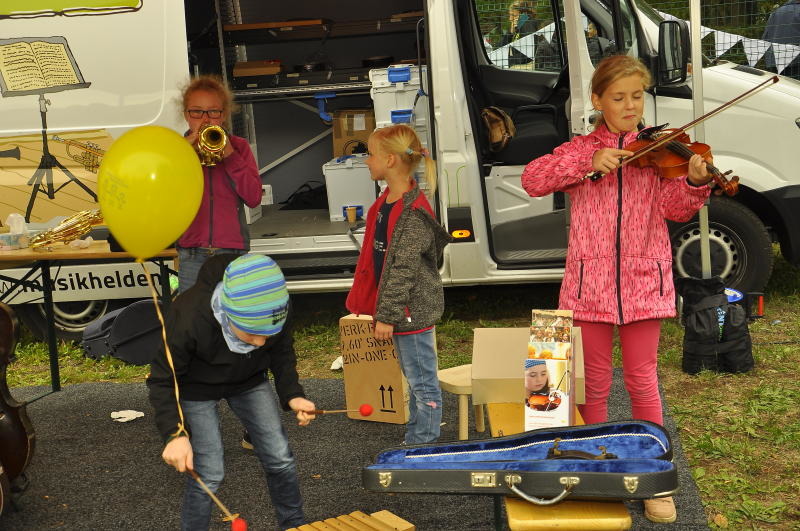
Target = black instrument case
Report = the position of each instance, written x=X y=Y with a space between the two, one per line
x=620 y=460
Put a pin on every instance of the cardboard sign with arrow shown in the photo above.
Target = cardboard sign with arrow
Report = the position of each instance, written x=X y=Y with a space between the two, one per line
x=372 y=372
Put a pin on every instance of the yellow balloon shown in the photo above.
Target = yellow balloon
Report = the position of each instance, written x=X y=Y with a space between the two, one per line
x=150 y=184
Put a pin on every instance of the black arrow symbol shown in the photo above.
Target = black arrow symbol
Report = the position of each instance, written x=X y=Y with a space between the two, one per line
x=383 y=397
x=391 y=397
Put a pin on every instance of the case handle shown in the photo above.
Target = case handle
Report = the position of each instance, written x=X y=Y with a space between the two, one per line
x=568 y=481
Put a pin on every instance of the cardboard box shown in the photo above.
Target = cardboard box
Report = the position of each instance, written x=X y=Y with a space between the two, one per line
x=256 y=68
x=351 y=125
x=372 y=372
x=497 y=357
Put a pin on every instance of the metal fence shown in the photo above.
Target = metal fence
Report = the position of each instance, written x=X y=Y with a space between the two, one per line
x=759 y=33
x=763 y=34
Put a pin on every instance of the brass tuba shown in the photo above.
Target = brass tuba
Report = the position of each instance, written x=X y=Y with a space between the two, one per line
x=211 y=142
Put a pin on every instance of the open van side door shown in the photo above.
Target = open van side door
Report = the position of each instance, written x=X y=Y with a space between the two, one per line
x=531 y=72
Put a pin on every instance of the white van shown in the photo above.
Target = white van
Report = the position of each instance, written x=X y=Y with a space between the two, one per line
x=334 y=78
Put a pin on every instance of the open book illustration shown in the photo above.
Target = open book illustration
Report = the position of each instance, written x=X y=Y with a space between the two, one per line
x=35 y=65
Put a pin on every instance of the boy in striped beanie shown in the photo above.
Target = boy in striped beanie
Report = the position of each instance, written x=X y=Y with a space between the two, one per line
x=254 y=295
x=224 y=334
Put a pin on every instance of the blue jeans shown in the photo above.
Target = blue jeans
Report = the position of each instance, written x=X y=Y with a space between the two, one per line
x=258 y=410
x=191 y=259
x=420 y=366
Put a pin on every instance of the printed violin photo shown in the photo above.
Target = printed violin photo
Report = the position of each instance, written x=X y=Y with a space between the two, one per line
x=547 y=393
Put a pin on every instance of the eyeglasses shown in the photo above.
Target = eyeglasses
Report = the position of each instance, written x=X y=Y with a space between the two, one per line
x=198 y=113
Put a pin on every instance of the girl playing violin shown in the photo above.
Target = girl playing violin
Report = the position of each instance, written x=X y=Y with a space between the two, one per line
x=619 y=260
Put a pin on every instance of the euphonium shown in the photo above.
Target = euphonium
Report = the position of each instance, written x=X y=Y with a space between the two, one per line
x=211 y=142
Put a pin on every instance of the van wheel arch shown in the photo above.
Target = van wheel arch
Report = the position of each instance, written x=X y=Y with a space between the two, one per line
x=741 y=247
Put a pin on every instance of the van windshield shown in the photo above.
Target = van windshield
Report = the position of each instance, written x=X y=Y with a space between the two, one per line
x=648 y=11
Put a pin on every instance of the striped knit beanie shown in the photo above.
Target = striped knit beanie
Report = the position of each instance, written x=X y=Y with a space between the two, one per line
x=254 y=295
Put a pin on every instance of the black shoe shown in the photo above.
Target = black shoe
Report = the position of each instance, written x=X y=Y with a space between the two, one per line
x=247 y=444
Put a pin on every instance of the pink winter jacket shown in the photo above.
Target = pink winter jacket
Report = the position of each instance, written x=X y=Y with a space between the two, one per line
x=619 y=259
x=220 y=220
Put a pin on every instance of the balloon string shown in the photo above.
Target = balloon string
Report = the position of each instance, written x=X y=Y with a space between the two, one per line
x=181 y=424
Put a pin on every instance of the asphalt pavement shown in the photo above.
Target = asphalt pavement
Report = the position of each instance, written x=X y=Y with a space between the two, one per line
x=90 y=472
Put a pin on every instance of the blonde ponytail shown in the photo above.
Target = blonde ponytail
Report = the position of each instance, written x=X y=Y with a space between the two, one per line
x=402 y=141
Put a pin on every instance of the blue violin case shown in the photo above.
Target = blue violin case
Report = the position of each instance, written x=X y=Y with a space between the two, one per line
x=619 y=460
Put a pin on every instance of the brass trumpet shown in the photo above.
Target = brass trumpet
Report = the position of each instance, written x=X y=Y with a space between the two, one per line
x=211 y=142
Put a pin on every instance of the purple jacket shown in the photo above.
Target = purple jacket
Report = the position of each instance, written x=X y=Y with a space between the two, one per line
x=619 y=259
x=220 y=221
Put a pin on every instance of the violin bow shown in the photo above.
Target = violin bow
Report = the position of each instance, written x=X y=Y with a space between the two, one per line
x=681 y=130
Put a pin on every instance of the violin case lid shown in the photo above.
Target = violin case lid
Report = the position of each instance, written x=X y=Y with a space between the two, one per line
x=619 y=460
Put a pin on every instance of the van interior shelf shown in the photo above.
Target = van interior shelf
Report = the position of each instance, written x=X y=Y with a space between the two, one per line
x=315 y=29
x=305 y=91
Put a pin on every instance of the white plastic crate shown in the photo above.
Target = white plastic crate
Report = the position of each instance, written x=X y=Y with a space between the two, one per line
x=251 y=215
x=348 y=183
x=396 y=98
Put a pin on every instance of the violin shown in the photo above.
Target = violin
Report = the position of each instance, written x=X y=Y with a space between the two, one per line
x=670 y=150
x=546 y=402
x=672 y=157
x=17 y=437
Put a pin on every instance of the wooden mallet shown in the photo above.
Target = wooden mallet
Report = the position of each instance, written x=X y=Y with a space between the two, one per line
x=237 y=523
x=365 y=411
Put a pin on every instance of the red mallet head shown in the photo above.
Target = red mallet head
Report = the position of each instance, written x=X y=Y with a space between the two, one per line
x=238 y=524
x=365 y=410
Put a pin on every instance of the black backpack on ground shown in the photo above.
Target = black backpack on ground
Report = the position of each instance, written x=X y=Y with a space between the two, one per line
x=716 y=336
x=132 y=334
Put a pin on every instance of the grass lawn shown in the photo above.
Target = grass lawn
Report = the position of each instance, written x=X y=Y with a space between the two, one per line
x=741 y=433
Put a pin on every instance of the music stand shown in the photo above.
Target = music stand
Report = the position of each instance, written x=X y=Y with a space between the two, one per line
x=62 y=73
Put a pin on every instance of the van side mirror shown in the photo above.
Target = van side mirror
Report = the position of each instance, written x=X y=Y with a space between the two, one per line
x=673 y=51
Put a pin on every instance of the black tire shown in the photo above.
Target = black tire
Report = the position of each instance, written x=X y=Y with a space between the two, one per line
x=71 y=317
x=741 y=249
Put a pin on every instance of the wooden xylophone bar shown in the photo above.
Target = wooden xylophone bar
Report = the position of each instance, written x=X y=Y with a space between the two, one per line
x=359 y=521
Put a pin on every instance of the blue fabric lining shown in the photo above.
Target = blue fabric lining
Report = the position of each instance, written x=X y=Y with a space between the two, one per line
x=642 y=442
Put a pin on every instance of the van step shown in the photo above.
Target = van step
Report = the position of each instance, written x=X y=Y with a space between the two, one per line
x=319 y=264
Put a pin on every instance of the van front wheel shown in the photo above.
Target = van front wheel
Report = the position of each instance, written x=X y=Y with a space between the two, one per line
x=71 y=317
x=741 y=249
